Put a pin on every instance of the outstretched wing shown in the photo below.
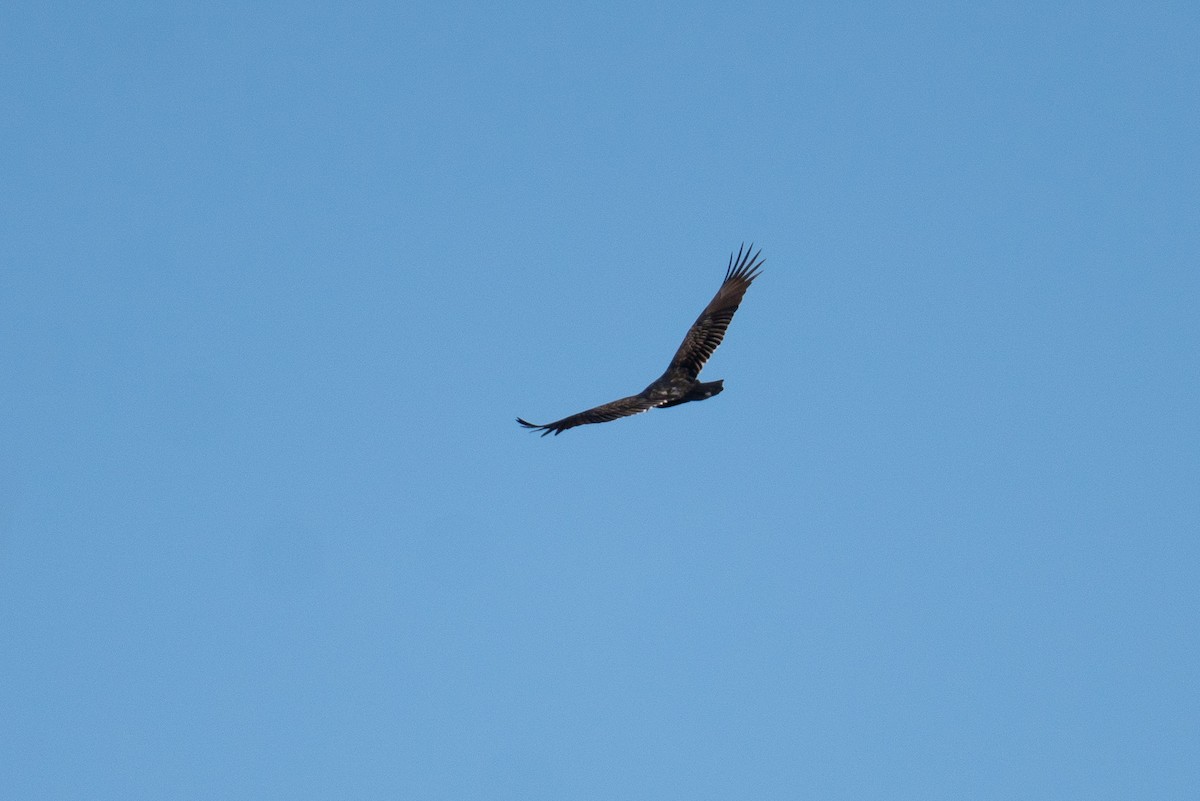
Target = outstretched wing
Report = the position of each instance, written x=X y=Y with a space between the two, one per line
x=701 y=340
x=635 y=404
x=709 y=329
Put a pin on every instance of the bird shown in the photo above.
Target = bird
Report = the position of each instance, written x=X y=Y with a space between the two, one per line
x=680 y=383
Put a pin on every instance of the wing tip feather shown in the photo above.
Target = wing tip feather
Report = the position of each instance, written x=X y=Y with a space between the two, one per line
x=746 y=265
x=546 y=429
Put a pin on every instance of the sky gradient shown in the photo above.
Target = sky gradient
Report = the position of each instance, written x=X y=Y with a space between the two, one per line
x=276 y=279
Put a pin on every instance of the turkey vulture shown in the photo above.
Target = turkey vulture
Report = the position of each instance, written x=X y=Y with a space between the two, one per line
x=680 y=383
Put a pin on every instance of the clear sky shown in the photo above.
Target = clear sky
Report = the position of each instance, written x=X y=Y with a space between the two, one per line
x=275 y=279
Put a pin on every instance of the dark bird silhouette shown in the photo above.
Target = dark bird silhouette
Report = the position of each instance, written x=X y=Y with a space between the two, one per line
x=680 y=383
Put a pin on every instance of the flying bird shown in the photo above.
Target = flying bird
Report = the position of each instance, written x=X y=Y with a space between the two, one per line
x=680 y=383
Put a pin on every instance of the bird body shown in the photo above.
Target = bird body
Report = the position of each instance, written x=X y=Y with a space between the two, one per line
x=680 y=382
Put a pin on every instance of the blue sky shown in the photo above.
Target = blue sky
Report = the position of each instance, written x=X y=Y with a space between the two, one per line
x=275 y=279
